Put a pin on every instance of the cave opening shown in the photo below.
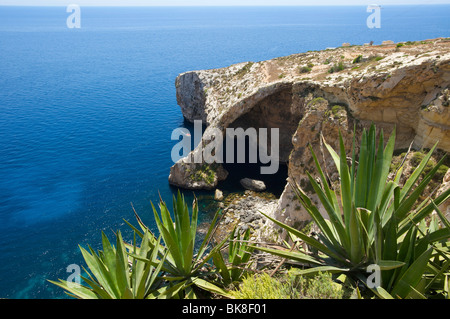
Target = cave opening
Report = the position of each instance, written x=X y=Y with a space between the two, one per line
x=276 y=111
x=274 y=182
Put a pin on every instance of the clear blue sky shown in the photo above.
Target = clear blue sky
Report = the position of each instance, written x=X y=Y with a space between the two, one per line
x=215 y=2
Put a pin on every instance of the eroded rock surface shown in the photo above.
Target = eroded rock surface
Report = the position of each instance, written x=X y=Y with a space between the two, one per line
x=320 y=93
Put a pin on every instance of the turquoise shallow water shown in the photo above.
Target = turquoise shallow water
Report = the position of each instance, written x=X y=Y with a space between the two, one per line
x=86 y=115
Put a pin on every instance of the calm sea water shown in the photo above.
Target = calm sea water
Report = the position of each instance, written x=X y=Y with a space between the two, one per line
x=86 y=114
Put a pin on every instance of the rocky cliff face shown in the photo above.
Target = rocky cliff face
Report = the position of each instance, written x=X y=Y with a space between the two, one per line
x=309 y=94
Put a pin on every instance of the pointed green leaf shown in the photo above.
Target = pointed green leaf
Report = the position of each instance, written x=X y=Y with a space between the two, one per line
x=389 y=264
x=346 y=195
x=309 y=240
x=412 y=276
x=416 y=174
x=220 y=264
x=100 y=272
x=318 y=269
x=206 y=285
x=79 y=291
x=290 y=255
x=122 y=269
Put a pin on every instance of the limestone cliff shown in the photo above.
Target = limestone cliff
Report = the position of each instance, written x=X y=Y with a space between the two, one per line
x=304 y=95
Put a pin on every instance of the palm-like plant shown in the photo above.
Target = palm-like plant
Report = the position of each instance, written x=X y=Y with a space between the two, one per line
x=184 y=266
x=237 y=265
x=172 y=269
x=375 y=222
x=116 y=274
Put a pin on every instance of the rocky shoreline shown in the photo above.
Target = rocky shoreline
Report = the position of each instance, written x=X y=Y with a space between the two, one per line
x=403 y=86
x=242 y=211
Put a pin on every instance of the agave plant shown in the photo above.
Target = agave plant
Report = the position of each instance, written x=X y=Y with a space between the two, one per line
x=237 y=265
x=185 y=267
x=376 y=222
x=116 y=274
x=171 y=269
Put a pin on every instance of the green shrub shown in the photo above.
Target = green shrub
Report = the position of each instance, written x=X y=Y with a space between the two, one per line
x=288 y=286
x=358 y=59
x=205 y=173
x=417 y=157
x=262 y=286
x=316 y=101
x=320 y=286
x=305 y=69
x=336 y=109
x=245 y=69
x=337 y=67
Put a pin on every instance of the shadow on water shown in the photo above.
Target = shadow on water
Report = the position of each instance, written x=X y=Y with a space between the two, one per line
x=275 y=183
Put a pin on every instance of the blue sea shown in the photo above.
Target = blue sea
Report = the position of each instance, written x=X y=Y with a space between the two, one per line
x=86 y=115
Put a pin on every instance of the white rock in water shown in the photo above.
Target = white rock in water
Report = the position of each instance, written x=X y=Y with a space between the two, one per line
x=218 y=195
x=253 y=184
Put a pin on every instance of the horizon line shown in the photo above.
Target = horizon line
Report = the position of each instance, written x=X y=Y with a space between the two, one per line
x=223 y=5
